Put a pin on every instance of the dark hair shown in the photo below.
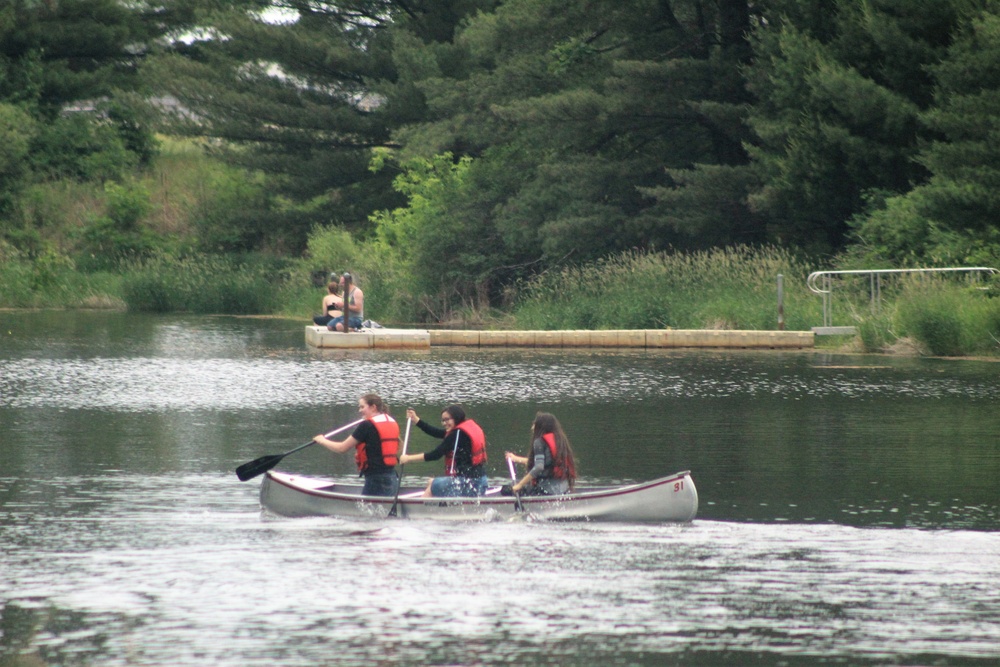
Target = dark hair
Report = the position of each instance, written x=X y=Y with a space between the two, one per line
x=457 y=413
x=333 y=287
x=376 y=401
x=547 y=423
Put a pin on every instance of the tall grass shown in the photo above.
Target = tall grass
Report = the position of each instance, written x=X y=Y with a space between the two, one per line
x=204 y=284
x=732 y=288
x=50 y=280
x=950 y=320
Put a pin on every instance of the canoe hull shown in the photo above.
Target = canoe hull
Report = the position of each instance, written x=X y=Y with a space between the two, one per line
x=673 y=498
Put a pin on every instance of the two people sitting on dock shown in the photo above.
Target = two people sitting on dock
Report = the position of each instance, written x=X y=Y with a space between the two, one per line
x=353 y=304
x=376 y=446
x=331 y=304
x=553 y=465
x=463 y=448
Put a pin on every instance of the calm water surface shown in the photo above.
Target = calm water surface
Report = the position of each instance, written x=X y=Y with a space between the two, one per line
x=850 y=506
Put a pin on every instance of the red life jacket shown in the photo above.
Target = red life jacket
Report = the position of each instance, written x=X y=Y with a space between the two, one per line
x=558 y=471
x=478 y=438
x=388 y=433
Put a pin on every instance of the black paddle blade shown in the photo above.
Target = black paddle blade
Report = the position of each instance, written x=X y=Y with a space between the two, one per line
x=258 y=466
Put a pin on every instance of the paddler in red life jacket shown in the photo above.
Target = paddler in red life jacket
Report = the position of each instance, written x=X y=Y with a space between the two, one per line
x=376 y=446
x=553 y=466
x=463 y=448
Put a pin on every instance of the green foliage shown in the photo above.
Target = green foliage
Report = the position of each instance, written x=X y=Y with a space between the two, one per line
x=17 y=129
x=440 y=239
x=837 y=113
x=575 y=113
x=109 y=239
x=204 y=284
x=311 y=127
x=49 y=279
x=80 y=146
x=731 y=288
x=232 y=218
x=875 y=333
x=951 y=218
x=332 y=249
x=376 y=267
x=949 y=320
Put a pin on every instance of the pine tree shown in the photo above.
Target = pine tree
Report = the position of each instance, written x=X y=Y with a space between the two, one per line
x=299 y=98
x=839 y=88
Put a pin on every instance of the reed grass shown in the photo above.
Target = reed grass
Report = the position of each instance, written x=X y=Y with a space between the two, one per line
x=731 y=288
x=203 y=284
x=950 y=320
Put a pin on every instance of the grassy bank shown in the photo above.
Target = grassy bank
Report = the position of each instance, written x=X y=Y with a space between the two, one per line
x=724 y=289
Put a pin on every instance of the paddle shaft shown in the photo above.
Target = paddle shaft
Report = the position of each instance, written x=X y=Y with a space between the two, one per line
x=265 y=463
x=513 y=478
x=399 y=483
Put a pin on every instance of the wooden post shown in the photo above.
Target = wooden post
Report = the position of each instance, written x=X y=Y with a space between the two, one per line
x=781 y=302
x=347 y=307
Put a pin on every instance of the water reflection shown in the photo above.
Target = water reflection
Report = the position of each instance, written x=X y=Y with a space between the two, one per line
x=291 y=378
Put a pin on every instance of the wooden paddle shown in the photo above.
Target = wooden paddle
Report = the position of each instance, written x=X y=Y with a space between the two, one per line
x=399 y=484
x=265 y=463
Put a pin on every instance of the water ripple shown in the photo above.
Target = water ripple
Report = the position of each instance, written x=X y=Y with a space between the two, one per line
x=171 y=383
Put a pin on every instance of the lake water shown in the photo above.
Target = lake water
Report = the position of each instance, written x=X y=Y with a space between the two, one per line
x=850 y=505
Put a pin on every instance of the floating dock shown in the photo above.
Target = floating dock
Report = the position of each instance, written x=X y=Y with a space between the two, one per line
x=384 y=339
x=636 y=338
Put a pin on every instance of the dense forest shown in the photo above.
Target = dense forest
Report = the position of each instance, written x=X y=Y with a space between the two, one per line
x=464 y=147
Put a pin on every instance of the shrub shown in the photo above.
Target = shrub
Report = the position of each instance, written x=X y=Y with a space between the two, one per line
x=118 y=235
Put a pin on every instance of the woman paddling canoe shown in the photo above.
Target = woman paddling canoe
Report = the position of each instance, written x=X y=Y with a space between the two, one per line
x=463 y=447
x=553 y=470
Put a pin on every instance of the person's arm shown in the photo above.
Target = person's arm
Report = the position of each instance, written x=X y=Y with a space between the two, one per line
x=341 y=446
x=536 y=470
x=446 y=446
x=520 y=460
x=542 y=455
x=430 y=429
x=525 y=481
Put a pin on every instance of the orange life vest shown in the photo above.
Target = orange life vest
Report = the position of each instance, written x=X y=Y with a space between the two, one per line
x=388 y=433
x=558 y=471
x=478 y=438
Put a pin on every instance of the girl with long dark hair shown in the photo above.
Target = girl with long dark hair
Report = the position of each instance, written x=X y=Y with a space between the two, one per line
x=552 y=463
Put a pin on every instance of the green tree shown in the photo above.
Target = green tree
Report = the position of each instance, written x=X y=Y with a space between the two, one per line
x=70 y=66
x=584 y=119
x=839 y=88
x=297 y=97
x=952 y=217
x=450 y=253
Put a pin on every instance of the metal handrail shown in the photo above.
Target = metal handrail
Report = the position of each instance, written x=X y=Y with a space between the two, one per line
x=875 y=278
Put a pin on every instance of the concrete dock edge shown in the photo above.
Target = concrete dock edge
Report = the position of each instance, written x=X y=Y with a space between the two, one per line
x=621 y=338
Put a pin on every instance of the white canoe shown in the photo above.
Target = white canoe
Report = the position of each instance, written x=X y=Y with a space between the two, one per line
x=672 y=498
